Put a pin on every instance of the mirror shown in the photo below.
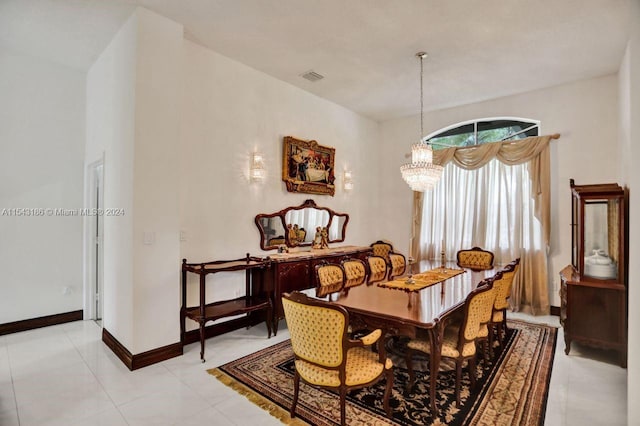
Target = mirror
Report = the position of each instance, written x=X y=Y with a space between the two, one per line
x=296 y=226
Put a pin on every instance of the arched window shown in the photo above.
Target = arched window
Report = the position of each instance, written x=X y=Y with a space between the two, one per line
x=475 y=132
x=491 y=207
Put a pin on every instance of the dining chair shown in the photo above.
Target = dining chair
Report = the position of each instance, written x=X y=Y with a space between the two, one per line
x=276 y=241
x=503 y=292
x=355 y=272
x=397 y=264
x=475 y=258
x=485 y=333
x=458 y=341
x=382 y=249
x=325 y=356
x=377 y=268
x=329 y=279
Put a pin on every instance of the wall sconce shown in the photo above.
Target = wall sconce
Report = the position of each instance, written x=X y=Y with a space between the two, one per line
x=347 y=180
x=256 y=167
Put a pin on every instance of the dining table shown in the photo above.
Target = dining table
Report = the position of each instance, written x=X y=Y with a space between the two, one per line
x=407 y=310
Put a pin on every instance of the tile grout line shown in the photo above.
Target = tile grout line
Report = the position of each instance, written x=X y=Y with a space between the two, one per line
x=94 y=375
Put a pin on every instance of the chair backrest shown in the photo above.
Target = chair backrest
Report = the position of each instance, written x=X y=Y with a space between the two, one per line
x=475 y=258
x=398 y=264
x=329 y=278
x=377 y=268
x=503 y=286
x=355 y=272
x=277 y=241
x=382 y=249
x=475 y=307
x=487 y=308
x=318 y=329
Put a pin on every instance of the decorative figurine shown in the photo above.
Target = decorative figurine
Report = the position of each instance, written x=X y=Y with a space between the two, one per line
x=324 y=238
x=317 y=239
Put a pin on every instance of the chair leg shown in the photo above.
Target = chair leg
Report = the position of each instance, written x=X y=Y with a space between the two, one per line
x=504 y=322
x=499 y=333
x=491 y=339
x=343 y=409
x=486 y=350
x=387 y=392
x=296 y=389
x=472 y=371
x=408 y=360
x=458 y=377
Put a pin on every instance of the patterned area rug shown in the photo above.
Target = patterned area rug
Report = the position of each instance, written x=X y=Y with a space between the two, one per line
x=510 y=391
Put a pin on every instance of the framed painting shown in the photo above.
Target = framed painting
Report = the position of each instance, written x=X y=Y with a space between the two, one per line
x=308 y=167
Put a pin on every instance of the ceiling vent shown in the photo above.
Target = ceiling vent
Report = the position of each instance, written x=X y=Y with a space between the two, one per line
x=312 y=76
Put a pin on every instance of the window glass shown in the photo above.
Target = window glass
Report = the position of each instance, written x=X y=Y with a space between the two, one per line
x=483 y=131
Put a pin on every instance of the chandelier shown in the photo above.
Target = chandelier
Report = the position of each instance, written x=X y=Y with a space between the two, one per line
x=421 y=174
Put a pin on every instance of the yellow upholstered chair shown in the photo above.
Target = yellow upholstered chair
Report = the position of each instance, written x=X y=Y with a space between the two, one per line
x=503 y=292
x=355 y=272
x=377 y=268
x=382 y=249
x=277 y=241
x=485 y=333
x=329 y=279
x=324 y=354
x=397 y=264
x=475 y=258
x=459 y=340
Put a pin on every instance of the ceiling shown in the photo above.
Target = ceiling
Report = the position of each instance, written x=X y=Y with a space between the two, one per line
x=365 y=49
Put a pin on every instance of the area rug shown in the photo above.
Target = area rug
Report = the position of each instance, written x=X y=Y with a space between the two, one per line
x=511 y=390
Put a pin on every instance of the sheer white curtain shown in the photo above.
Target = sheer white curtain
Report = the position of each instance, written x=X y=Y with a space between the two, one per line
x=490 y=207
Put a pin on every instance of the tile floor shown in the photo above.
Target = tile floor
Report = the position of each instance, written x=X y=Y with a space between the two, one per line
x=65 y=375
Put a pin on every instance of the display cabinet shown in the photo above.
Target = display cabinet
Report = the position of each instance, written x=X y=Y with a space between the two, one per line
x=593 y=289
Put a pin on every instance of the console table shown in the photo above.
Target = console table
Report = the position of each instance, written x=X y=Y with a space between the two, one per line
x=296 y=271
x=255 y=298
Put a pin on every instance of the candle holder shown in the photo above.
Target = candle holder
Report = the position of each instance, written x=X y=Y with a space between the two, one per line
x=442 y=259
x=410 y=279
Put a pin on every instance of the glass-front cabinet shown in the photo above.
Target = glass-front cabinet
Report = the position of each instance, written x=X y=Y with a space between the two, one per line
x=593 y=290
x=598 y=231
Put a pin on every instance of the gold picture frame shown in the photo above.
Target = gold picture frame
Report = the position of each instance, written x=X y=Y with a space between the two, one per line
x=308 y=167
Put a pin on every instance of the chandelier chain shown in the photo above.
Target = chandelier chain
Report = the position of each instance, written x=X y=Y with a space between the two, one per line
x=421 y=173
x=421 y=97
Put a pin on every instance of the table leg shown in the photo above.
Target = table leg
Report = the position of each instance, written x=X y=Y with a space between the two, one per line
x=435 y=339
x=202 y=333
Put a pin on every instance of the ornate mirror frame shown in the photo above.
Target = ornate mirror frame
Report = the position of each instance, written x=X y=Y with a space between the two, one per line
x=274 y=229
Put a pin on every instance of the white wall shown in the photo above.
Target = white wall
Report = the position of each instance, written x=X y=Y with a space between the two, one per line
x=110 y=118
x=133 y=119
x=41 y=149
x=156 y=266
x=630 y=143
x=229 y=110
x=176 y=123
x=585 y=113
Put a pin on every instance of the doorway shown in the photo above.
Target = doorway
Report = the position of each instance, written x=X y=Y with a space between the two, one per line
x=94 y=227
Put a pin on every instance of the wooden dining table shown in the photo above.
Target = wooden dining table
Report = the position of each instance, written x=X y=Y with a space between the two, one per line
x=413 y=313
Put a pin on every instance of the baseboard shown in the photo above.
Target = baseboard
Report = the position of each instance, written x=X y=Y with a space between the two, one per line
x=134 y=362
x=555 y=310
x=33 y=323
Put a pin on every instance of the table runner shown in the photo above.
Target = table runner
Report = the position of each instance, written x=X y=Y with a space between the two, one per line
x=422 y=280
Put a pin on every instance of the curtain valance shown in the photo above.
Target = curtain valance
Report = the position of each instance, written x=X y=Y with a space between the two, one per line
x=508 y=152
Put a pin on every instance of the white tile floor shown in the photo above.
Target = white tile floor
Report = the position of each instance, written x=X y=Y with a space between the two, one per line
x=65 y=375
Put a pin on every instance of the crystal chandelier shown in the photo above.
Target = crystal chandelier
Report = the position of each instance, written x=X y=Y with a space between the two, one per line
x=421 y=174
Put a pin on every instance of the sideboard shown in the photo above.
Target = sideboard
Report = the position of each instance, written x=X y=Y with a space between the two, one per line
x=296 y=271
